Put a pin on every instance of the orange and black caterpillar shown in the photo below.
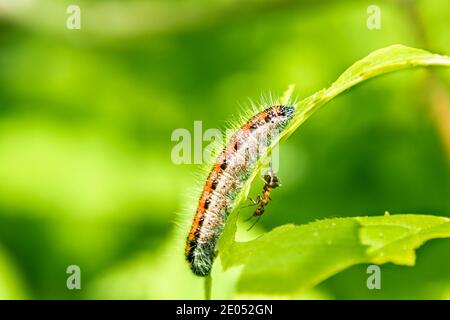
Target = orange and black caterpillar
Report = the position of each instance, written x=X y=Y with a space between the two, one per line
x=230 y=171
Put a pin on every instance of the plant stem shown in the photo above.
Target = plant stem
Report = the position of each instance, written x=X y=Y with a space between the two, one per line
x=208 y=287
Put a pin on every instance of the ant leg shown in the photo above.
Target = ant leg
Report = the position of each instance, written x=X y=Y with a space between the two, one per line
x=254 y=202
x=254 y=223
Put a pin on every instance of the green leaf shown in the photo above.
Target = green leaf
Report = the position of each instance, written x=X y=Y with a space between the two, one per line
x=296 y=257
x=379 y=62
x=292 y=258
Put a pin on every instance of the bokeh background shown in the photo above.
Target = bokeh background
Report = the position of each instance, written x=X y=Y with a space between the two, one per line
x=86 y=117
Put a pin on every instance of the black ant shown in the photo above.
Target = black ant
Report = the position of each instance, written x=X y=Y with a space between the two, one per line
x=271 y=182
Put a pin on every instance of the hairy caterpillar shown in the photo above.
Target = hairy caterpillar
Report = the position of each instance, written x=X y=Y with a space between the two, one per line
x=230 y=171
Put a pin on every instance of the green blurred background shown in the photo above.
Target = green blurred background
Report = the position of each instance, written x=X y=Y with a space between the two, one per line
x=86 y=118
